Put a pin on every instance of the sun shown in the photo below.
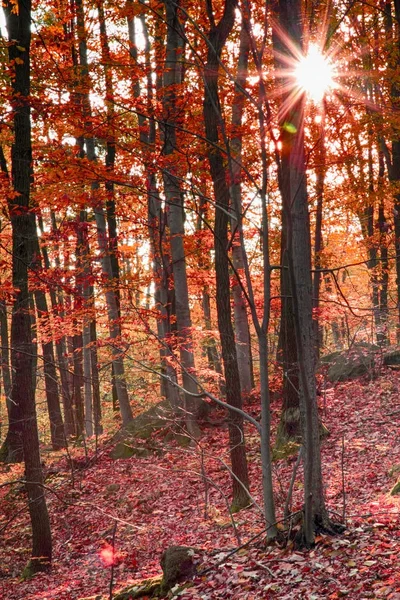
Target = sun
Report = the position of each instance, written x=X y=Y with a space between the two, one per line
x=314 y=74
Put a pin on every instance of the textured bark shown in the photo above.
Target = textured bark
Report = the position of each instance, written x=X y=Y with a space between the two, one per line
x=318 y=238
x=217 y=37
x=23 y=233
x=289 y=428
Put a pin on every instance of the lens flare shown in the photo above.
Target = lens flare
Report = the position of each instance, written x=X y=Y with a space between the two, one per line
x=314 y=74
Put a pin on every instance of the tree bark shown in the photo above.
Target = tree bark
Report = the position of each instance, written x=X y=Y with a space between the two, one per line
x=49 y=367
x=294 y=197
x=217 y=37
x=18 y=24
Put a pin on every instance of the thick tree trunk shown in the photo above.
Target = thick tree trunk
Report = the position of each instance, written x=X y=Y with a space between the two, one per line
x=18 y=24
x=212 y=116
x=318 y=238
x=294 y=196
x=289 y=428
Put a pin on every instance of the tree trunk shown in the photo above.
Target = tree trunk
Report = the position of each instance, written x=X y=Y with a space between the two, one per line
x=49 y=367
x=289 y=428
x=109 y=185
x=318 y=238
x=294 y=196
x=156 y=219
x=174 y=198
x=102 y=237
x=242 y=331
x=57 y=305
x=217 y=37
x=18 y=24
x=97 y=418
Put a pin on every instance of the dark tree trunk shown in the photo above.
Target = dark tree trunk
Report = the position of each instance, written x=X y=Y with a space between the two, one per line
x=294 y=197
x=289 y=428
x=98 y=427
x=242 y=330
x=217 y=37
x=18 y=24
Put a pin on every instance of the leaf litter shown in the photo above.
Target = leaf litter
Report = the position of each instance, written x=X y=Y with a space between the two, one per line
x=161 y=500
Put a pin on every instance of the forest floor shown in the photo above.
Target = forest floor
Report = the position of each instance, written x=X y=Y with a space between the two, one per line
x=153 y=502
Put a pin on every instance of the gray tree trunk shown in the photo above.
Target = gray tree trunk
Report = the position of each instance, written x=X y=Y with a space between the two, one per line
x=174 y=199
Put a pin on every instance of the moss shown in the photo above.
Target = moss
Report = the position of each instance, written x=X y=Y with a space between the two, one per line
x=35 y=565
x=148 y=587
x=395 y=489
x=394 y=471
x=123 y=450
x=285 y=450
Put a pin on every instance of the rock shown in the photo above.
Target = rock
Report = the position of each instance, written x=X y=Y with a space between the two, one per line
x=178 y=564
x=391 y=358
x=359 y=359
x=124 y=450
x=156 y=418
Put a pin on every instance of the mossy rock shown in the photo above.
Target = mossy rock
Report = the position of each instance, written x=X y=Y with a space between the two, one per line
x=158 y=417
x=391 y=358
x=35 y=565
x=352 y=363
x=148 y=587
x=123 y=450
x=285 y=450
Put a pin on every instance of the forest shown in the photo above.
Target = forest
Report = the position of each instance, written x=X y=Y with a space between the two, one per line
x=199 y=299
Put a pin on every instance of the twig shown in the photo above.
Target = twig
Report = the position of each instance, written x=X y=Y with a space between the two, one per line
x=260 y=564
x=254 y=537
x=343 y=482
x=291 y=485
x=113 y=560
